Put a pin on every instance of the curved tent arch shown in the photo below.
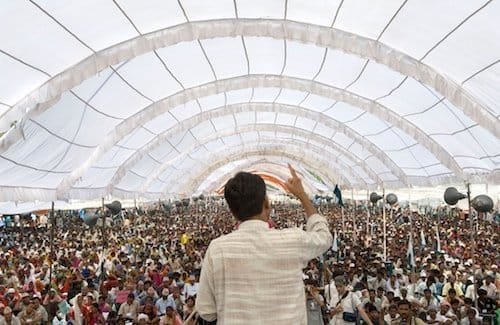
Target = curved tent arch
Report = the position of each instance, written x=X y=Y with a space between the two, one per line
x=260 y=107
x=262 y=165
x=434 y=112
x=248 y=165
x=243 y=82
x=314 y=160
x=298 y=138
x=281 y=29
x=275 y=152
x=212 y=184
x=216 y=162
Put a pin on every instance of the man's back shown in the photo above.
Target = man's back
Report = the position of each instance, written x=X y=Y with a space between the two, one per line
x=254 y=275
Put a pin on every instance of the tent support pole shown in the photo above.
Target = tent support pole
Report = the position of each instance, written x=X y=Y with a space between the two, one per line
x=103 y=215
x=52 y=226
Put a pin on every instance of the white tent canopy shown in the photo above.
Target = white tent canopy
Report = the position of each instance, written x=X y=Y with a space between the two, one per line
x=154 y=98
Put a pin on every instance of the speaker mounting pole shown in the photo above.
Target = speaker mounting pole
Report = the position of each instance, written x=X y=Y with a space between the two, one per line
x=103 y=225
x=384 y=224
x=52 y=226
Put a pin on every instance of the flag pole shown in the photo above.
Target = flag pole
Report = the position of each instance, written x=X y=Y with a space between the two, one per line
x=473 y=240
x=353 y=208
x=53 y=223
x=411 y=238
x=103 y=229
x=367 y=212
x=384 y=225
x=343 y=224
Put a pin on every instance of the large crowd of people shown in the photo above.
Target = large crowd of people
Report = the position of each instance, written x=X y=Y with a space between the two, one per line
x=146 y=270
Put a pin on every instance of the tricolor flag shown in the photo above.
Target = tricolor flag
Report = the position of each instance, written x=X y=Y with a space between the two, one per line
x=422 y=238
x=335 y=246
x=438 y=242
x=410 y=254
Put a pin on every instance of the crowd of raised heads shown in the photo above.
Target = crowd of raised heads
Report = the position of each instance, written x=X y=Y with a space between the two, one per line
x=144 y=268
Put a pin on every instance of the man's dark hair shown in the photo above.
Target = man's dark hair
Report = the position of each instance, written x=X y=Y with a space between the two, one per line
x=245 y=194
x=369 y=307
x=404 y=302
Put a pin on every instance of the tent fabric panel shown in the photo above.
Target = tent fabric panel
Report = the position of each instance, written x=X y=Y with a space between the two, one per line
x=130 y=182
x=344 y=112
x=260 y=8
x=473 y=41
x=212 y=101
x=161 y=123
x=95 y=178
x=153 y=14
x=148 y=74
x=485 y=86
x=115 y=97
x=136 y=139
x=265 y=55
x=18 y=74
x=377 y=80
x=187 y=63
x=319 y=12
x=27 y=41
x=145 y=166
x=114 y=157
x=227 y=56
x=205 y=10
x=90 y=20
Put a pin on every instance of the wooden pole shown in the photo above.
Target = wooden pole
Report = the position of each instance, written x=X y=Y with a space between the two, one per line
x=343 y=224
x=353 y=216
x=384 y=224
x=103 y=215
x=473 y=243
x=52 y=226
x=367 y=212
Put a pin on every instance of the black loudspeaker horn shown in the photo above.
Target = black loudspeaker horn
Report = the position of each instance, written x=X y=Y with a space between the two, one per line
x=452 y=196
x=391 y=198
x=90 y=219
x=114 y=207
x=374 y=197
x=482 y=203
x=167 y=207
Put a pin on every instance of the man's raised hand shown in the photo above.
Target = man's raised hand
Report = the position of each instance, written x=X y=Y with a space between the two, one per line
x=294 y=184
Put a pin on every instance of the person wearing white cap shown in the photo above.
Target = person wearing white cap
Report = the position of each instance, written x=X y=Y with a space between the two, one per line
x=164 y=301
x=142 y=319
x=433 y=317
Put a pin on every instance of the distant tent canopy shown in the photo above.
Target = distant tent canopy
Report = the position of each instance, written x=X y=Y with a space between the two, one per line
x=159 y=100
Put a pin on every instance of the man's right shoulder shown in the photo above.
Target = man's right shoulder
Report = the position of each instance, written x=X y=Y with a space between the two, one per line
x=235 y=236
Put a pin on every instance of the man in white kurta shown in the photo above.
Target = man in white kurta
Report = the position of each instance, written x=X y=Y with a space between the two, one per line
x=254 y=275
